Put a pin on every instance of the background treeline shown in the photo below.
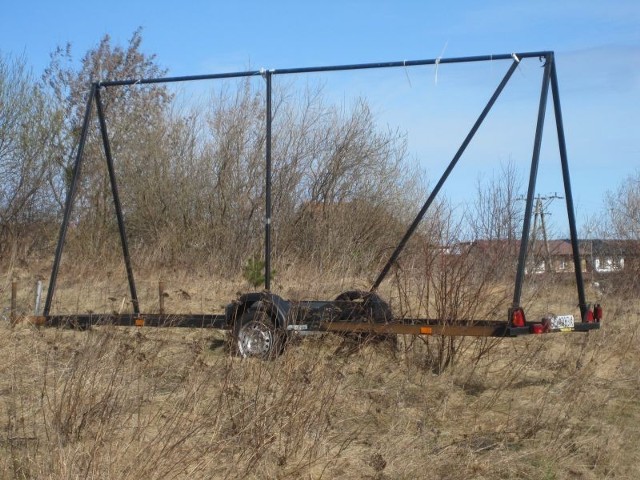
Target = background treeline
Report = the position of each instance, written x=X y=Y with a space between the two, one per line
x=191 y=178
x=191 y=174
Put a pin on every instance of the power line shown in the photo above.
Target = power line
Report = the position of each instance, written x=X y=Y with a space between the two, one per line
x=542 y=202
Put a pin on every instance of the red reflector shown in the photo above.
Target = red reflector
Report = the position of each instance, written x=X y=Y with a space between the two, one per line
x=589 y=318
x=597 y=312
x=537 y=328
x=517 y=318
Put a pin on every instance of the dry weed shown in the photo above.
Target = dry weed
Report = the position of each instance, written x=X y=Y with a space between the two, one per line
x=170 y=403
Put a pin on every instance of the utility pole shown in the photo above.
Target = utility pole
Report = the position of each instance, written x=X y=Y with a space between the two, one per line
x=542 y=202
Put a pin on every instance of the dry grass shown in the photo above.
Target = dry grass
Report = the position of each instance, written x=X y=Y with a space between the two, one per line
x=124 y=403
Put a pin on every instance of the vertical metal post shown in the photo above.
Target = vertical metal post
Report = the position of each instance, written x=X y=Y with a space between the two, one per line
x=267 y=209
x=116 y=203
x=161 y=295
x=535 y=160
x=445 y=175
x=38 y=298
x=69 y=201
x=582 y=302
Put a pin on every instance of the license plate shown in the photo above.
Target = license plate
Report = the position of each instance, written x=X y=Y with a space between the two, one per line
x=297 y=328
x=562 y=322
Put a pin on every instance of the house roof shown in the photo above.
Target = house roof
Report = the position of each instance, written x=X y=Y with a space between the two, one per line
x=601 y=247
x=562 y=247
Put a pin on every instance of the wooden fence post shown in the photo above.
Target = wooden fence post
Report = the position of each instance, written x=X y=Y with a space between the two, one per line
x=14 y=295
x=161 y=295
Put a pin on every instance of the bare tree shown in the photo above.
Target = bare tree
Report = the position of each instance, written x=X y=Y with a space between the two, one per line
x=623 y=205
x=335 y=177
x=496 y=214
x=131 y=110
x=352 y=180
x=192 y=179
x=620 y=222
x=25 y=126
x=496 y=217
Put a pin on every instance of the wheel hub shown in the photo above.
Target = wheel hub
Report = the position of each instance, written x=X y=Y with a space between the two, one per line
x=255 y=340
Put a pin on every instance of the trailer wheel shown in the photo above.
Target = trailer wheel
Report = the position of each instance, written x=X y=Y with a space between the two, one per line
x=256 y=335
x=357 y=305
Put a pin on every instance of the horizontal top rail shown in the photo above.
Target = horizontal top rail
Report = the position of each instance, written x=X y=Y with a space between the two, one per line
x=328 y=68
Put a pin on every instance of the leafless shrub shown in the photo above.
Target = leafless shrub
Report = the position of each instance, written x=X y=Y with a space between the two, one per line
x=619 y=222
x=25 y=131
x=450 y=285
x=142 y=107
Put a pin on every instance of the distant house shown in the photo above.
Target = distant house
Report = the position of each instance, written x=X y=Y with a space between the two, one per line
x=599 y=256
x=561 y=257
x=604 y=256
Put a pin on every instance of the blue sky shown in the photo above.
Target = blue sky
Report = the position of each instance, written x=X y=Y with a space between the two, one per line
x=597 y=45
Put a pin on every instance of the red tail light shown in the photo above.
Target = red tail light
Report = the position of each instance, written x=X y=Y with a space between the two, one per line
x=538 y=328
x=597 y=312
x=589 y=316
x=517 y=317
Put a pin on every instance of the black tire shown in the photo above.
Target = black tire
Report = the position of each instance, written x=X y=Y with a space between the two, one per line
x=357 y=305
x=361 y=306
x=255 y=335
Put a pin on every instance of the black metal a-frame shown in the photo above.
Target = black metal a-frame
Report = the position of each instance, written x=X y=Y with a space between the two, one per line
x=549 y=79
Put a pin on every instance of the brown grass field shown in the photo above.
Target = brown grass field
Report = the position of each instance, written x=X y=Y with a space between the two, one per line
x=124 y=403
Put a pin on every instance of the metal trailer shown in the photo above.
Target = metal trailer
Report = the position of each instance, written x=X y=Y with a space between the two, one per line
x=261 y=321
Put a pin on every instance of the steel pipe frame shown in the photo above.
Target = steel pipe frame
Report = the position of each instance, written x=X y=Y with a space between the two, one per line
x=573 y=233
x=329 y=68
x=116 y=201
x=69 y=202
x=550 y=76
x=267 y=208
x=533 y=175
